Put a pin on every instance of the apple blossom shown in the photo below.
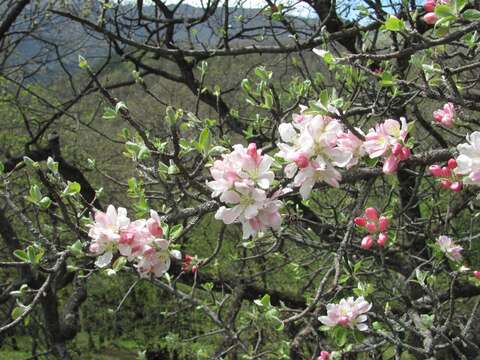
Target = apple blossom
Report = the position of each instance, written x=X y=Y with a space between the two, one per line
x=367 y=242
x=430 y=18
x=314 y=145
x=324 y=355
x=348 y=312
x=139 y=241
x=241 y=180
x=449 y=248
x=477 y=274
x=446 y=115
x=468 y=162
x=387 y=140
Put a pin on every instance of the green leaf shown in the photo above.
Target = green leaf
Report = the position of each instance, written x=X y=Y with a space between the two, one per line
x=2 y=168
x=119 y=263
x=71 y=189
x=175 y=231
x=394 y=24
x=109 y=114
x=35 y=195
x=18 y=311
x=203 y=140
x=82 y=62
x=443 y=10
x=30 y=163
x=76 y=248
x=22 y=255
x=52 y=165
x=45 y=202
x=471 y=15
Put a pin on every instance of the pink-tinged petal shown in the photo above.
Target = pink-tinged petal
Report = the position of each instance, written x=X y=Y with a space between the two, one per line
x=362 y=327
x=327 y=321
x=230 y=197
x=287 y=132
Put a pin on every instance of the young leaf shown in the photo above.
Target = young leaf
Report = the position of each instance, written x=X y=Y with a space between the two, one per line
x=394 y=24
x=71 y=189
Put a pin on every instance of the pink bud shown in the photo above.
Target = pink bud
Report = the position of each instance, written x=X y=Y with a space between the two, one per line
x=371 y=227
x=371 y=213
x=360 y=221
x=446 y=172
x=301 y=161
x=397 y=149
x=447 y=122
x=429 y=5
x=367 y=242
x=390 y=165
x=194 y=269
x=406 y=152
x=382 y=239
x=445 y=184
x=324 y=355
x=430 y=18
x=343 y=320
x=126 y=237
x=435 y=170
x=94 y=248
x=452 y=164
x=383 y=222
x=154 y=228
x=252 y=152
x=477 y=274
x=456 y=186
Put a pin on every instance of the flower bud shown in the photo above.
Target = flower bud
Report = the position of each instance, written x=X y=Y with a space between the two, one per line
x=435 y=170
x=360 y=221
x=367 y=242
x=371 y=213
x=477 y=274
x=383 y=222
x=324 y=355
x=456 y=186
x=94 y=248
x=397 y=149
x=430 y=18
x=445 y=184
x=371 y=228
x=406 y=152
x=382 y=239
x=194 y=269
x=446 y=172
x=452 y=164
x=429 y=5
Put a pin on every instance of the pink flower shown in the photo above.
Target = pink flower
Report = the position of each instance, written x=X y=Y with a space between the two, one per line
x=446 y=115
x=348 y=312
x=449 y=248
x=430 y=18
x=387 y=140
x=314 y=145
x=477 y=274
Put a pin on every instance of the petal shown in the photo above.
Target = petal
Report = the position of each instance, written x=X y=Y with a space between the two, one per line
x=104 y=260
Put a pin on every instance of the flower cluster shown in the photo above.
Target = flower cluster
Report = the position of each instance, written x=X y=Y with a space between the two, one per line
x=388 y=140
x=448 y=179
x=313 y=145
x=348 y=312
x=446 y=116
x=469 y=159
x=449 y=248
x=430 y=17
x=241 y=179
x=140 y=241
x=375 y=225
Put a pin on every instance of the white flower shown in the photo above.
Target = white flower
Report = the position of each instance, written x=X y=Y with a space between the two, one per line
x=348 y=312
x=449 y=248
x=469 y=159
